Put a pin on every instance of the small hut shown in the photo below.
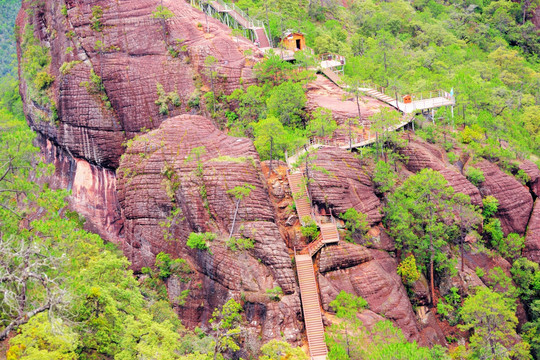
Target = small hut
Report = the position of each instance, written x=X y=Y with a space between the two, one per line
x=293 y=41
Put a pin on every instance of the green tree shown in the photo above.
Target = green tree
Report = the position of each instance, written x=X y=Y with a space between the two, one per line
x=163 y=14
x=239 y=193
x=226 y=327
x=278 y=350
x=419 y=216
x=356 y=223
x=322 y=123
x=491 y=317
x=286 y=102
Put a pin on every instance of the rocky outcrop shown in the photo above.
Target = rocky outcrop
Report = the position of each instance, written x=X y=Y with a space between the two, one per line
x=93 y=190
x=532 y=240
x=132 y=55
x=532 y=170
x=176 y=180
x=340 y=183
x=374 y=279
x=422 y=155
x=515 y=200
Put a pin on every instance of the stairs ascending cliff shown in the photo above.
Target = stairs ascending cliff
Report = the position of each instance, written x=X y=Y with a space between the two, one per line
x=311 y=307
x=300 y=195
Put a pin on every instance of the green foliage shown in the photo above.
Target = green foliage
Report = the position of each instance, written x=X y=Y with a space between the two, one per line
x=242 y=191
x=493 y=228
x=66 y=67
x=279 y=350
x=272 y=137
x=200 y=240
x=490 y=206
x=240 y=244
x=10 y=8
x=322 y=123
x=167 y=266
x=452 y=157
x=165 y=99
x=470 y=134
x=226 y=326
x=510 y=248
x=475 y=176
x=274 y=293
x=95 y=20
x=408 y=271
x=356 y=223
x=41 y=339
x=384 y=178
x=493 y=322
x=286 y=102
x=347 y=305
x=43 y=80
x=523 y=177
x=310 y=230
x=162 y=12
x=415 y=216
x=97 y=306
x=444 y=309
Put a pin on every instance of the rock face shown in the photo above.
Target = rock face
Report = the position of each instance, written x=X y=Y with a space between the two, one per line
x=174 y=181
x=93 y=190
x=422 y=155
x=131 y=55
x=532 y=240
x=370 y=274
x=532 y=170
x=343 y=184
x=515 y=200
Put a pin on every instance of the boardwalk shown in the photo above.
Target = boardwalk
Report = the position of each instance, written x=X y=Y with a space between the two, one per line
x=311 y=307
x=231 y=11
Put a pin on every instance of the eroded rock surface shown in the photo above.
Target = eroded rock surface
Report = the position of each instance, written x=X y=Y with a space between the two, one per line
x=532 y=240
x=532 y=170
x=343 y=184
x=131 y=55
x=422 y=155
x=515 y=200
x=372 y=277
x=174 y=181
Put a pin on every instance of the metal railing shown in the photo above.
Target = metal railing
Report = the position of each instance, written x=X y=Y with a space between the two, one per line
x=251 y=23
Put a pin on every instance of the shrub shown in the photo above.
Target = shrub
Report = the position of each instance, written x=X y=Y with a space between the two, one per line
x=200 y=240
x=408 y=270
x=68 y=66
x=383 y=177
x=43 y=80
x=355 y=222
x=241 y=243
x=452 y=157
x=523 y=177
x=444 y=309
x=347 y=305
x=275 y=293
x=510 y=248
x=470 y=134
x=475 y=176
x=97 y=14
x=491 y=204
x=494 y=229
x=310 y=230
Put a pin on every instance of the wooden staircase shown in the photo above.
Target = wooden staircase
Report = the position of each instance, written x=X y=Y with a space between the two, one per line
x=311 y=307
x=300 y=195
x=313 y=247
x=381 y=96
x=332 y=76
x=329 y=233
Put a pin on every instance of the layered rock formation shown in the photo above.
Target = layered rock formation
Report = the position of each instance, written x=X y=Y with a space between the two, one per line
x=177 y=180
x=340 y=183
x=515 y=200
x=422 y=155
x=532 y=239
x=132 y=54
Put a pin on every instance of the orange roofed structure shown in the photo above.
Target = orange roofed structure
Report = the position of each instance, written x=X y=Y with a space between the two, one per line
x=293 y=41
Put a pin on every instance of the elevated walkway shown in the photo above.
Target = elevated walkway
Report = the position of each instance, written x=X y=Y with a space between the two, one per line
x=309 y=293
x=419 y=102
x=311 y=307
x=234 y=17
x=300 y=195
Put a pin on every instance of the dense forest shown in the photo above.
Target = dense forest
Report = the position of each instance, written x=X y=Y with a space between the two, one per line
x=67 y=294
